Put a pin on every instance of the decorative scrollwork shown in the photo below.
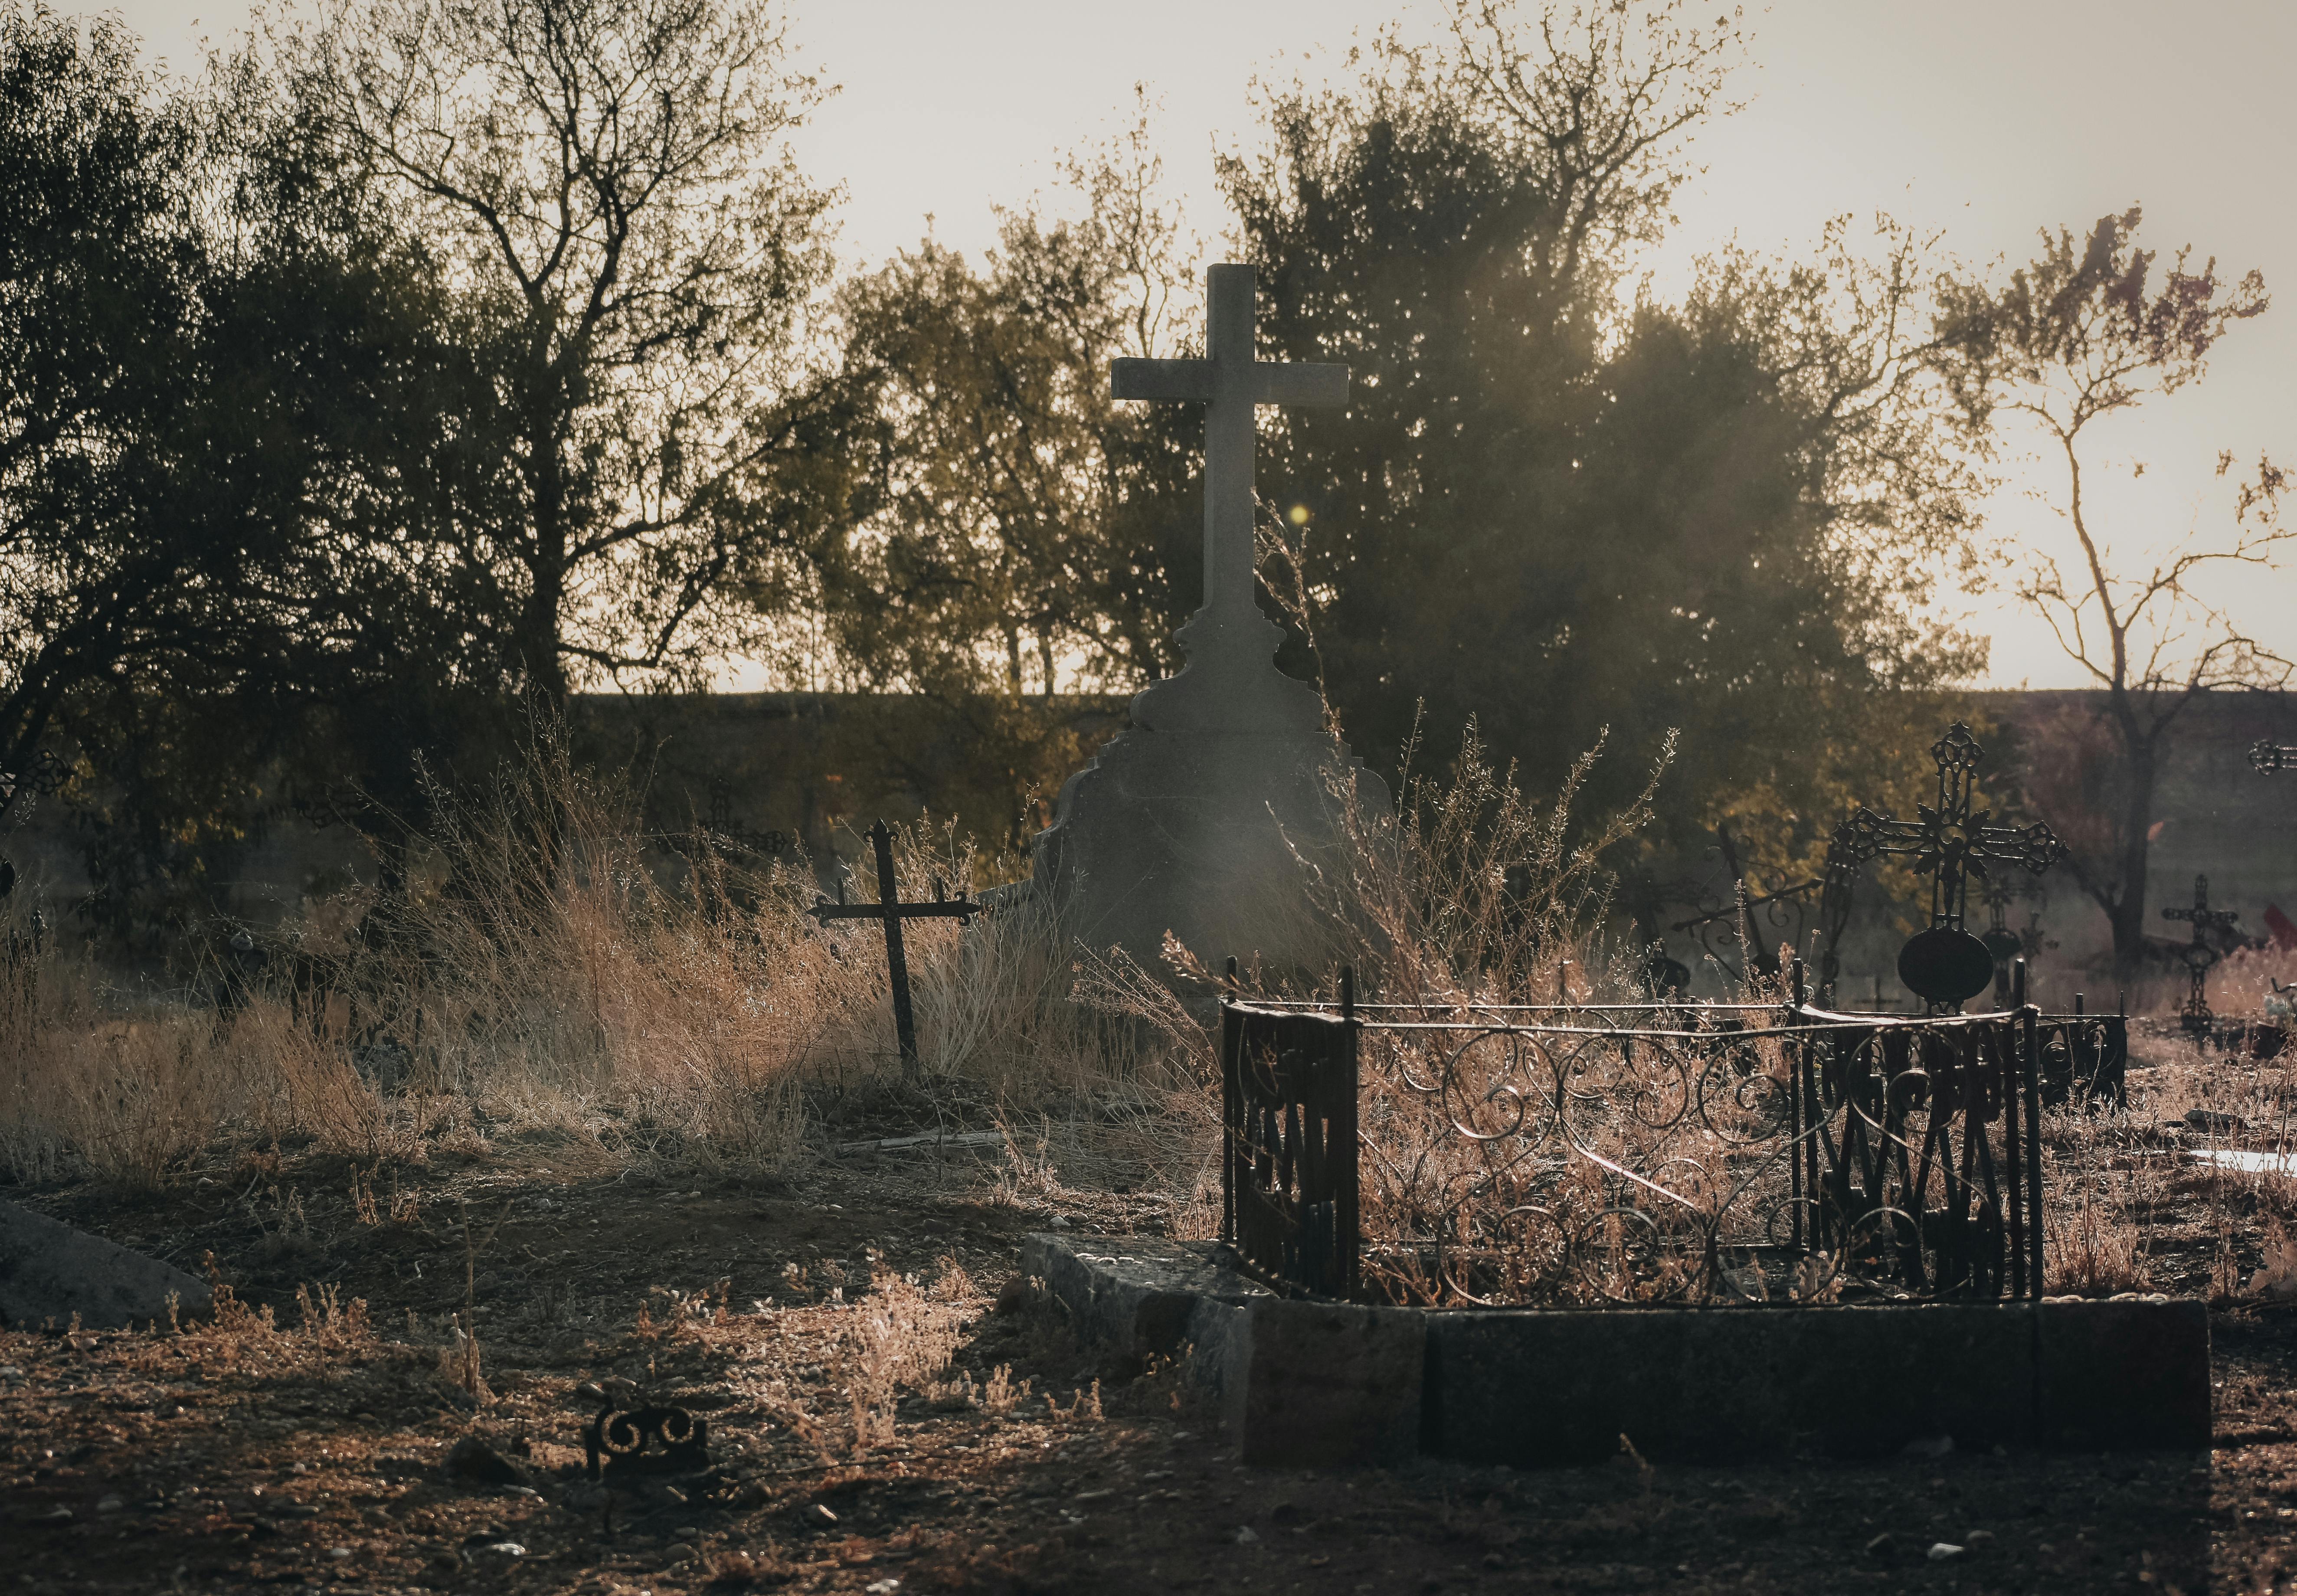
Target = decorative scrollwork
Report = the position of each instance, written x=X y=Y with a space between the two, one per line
x=620 y=1442
x=46 y=773
x=1670 y=1152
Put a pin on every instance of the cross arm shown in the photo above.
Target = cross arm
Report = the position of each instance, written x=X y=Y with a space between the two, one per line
x=1132 y=379
x=946 y=909
x=1300 y=382
x=1871 y=834
x=2032 y=847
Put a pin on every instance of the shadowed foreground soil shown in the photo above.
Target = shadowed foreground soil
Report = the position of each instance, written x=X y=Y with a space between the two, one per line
x=312 y=1453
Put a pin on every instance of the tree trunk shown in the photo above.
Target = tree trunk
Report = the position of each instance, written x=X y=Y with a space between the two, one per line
x=2127 y=915
x=538 y=640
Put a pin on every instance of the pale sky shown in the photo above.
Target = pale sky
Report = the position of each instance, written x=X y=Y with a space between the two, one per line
x=1987 y=118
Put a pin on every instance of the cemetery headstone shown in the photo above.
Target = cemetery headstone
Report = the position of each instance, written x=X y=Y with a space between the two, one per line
x=1202 y=817
x=50 y=1272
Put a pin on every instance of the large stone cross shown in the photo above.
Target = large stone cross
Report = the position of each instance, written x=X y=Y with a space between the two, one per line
x=1205 y=818
x=1230 y=384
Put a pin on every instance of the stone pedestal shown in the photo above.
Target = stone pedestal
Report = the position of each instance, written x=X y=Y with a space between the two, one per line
x=1209 y=817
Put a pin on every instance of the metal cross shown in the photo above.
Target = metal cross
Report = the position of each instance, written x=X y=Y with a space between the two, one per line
x=1230 y=384
x=771 y=844
x=2198 y=955
x=890 y=909
x=2267 y=757
x=1949 y=844
x=2004 y=944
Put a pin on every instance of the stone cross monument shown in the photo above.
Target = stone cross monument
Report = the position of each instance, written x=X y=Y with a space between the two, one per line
x=1197 y=819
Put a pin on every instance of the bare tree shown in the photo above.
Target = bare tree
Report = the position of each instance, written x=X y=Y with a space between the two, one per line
x=2079 y=334
x=608 y=186
x=1600 y=99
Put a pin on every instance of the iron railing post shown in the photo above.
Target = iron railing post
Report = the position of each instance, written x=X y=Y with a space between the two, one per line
x=2013 y=1152
x=1797 y=1062
x=2031 y=1063
x=1343 y=1150
x=1232 y=1104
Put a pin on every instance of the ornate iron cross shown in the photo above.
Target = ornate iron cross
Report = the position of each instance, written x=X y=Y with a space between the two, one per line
x=1948 y=843
x=890 y=910
x=2267 y=757
x=1952 y=845
x=2197 y=954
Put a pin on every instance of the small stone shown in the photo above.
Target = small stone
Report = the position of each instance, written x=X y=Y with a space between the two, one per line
x=1978 y=1538
x=685 y=1533
x=1060 y=1223
x=339 y=1551
x=1286 y=1513
x=54 y=1517
x=110 y=1504
x=681 y=1553
x=1246 y=1537
x=471 y=1458
x=1882 y=1546
x=1093 y=1495
x=1940 y=1550
x=1928 y=1446
x=823 y=1513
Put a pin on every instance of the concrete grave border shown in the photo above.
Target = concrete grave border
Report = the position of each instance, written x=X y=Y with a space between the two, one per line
x=1303 y=1383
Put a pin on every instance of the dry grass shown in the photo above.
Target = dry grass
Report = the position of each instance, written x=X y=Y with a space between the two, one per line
x=553 y=981
x=550 y=978
x=2132 y=1193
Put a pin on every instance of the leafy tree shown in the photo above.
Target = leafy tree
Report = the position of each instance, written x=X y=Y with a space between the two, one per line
x=105 y=572
x=2086 y=330
x=630 y=253
x=1553 y=507
x=1021 y=524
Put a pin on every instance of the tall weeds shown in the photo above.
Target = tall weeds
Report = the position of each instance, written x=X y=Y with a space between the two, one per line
x=550 y=976
x=549 y=972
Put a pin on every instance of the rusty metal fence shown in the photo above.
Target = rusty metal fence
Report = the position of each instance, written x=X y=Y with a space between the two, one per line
x=1597 y=1155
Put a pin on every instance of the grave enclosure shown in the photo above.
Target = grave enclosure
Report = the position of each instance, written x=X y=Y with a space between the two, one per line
x=1716 y=1232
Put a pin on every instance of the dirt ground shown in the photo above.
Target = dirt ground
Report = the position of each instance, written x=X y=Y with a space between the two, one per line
x=304 y=1443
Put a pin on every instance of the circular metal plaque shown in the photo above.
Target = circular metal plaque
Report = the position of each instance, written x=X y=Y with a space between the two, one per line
x=1946 y=966
x=1665 y=978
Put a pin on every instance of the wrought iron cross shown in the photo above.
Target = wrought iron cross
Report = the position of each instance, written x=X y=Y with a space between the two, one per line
x=1230 y=384
x=2198 y=955
x=890 y=909
x=1948 y=843
x=2267 y=757
x=2004 y=944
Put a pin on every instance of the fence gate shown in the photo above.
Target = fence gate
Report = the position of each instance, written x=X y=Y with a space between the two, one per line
x=1288 y=1164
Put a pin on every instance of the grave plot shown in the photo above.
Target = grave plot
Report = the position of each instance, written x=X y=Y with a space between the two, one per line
x=1443 y=1230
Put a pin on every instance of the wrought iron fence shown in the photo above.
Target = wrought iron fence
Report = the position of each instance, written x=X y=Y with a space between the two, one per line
x=1644 y=1153
x=2085 y=1059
